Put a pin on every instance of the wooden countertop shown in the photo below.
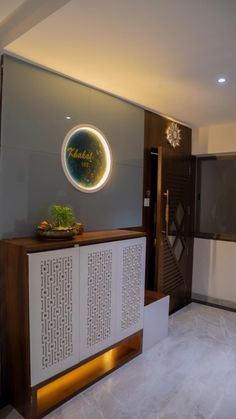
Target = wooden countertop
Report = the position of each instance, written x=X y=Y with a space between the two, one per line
x=34 y=244
x=152 y=296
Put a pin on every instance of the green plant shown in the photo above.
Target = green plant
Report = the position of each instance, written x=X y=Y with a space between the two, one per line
x=62 y=216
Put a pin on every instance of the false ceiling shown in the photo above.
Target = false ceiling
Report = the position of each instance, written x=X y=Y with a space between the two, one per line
x=7 y=7
x=165 y=55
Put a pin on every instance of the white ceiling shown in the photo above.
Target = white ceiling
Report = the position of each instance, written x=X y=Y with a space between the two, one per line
x=165 y=55
x=7 y=7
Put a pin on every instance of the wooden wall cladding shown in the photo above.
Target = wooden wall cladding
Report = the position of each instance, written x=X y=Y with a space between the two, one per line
x=2 y=393
x=155 y=136
x=174 y=171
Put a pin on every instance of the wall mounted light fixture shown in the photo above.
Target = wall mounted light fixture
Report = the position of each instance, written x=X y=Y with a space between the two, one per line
x=86 y=158
x=173 y=135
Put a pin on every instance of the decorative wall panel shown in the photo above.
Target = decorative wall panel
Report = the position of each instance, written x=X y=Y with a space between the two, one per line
x=56 y=309
x=97 y=297
x=54 y=312
x=83 y=300
x=131 y=291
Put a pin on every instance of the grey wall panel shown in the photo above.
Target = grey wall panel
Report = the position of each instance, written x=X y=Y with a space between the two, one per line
x=119 y=204
x=35 y=104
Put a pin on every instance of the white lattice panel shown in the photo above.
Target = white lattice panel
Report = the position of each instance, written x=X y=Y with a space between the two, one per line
x=97 y=298
x=130 y=291
x=54 y=312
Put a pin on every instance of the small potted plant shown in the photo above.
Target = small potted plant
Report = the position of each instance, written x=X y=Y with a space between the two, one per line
x=62 y=224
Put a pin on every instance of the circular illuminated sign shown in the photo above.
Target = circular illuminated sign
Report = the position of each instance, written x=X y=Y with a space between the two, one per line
x=86 y=158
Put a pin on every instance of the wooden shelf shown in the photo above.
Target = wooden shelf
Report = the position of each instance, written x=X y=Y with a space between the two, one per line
x=151 y=296
x=36 y=244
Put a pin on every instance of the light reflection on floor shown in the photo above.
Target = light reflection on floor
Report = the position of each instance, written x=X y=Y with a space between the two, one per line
x=189 y=375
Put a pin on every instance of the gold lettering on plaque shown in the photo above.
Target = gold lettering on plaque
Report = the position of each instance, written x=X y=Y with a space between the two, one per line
x=81 y=155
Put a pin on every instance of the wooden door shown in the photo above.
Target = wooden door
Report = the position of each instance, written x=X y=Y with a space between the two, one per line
x=173 y=226
x=169 y=251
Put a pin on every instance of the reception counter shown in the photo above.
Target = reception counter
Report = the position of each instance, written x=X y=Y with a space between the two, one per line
x=73 y=312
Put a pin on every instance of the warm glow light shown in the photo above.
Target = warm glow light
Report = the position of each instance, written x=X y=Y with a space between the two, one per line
x=70 y=383
x=68 y=117
x=109 y=359
x=107 y=151
x=108 y=159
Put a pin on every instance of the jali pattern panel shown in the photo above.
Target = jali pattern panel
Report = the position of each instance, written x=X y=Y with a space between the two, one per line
x=56 y=309
x=97 y=298
x=54 y=312
x=131 y=285
x=131 y=292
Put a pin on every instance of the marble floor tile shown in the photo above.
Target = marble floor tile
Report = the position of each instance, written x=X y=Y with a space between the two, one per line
x=189 y=375
x=9 y=413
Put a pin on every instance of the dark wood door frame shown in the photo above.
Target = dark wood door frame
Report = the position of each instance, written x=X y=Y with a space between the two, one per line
x=155 y=138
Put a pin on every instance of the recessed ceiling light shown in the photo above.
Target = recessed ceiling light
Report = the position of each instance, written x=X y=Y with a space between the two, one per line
x=68 y=117
x=221 y=80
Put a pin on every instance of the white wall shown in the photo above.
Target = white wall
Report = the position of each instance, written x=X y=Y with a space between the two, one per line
x=214 y=267
x=215 y=139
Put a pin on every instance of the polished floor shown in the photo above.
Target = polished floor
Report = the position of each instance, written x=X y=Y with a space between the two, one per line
x=189 y=375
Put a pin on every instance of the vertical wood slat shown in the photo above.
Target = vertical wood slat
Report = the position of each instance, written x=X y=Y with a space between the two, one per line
x=173 y=174
x=171 y=274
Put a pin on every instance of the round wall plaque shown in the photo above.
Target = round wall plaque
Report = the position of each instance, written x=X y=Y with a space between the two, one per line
x=86 y=158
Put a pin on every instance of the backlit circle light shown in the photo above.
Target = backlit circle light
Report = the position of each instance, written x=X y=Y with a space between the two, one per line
x=86 y=158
